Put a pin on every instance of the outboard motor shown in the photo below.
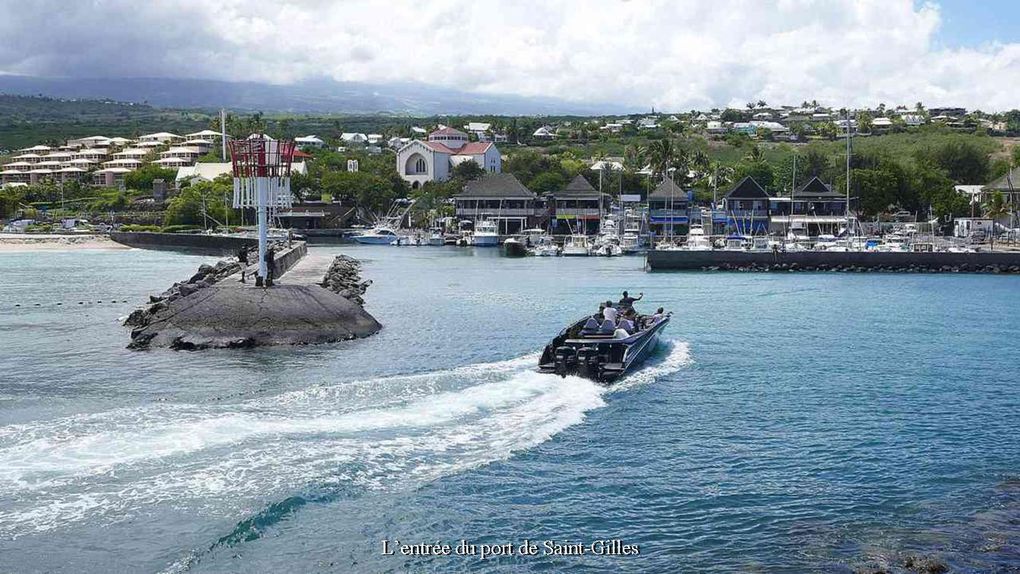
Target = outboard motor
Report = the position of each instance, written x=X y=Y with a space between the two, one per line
x=566 y=360
x=588 y=362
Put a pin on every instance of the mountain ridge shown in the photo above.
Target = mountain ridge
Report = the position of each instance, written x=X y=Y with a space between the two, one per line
x=308 y=96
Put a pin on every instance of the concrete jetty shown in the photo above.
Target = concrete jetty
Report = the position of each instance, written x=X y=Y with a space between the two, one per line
x=226 y=313
x=933 y=262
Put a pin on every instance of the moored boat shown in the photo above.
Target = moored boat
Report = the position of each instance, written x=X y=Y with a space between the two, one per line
x=601 y=357
x=514 y=247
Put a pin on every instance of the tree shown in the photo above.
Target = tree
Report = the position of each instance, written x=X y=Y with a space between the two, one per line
x=996 y=208
x=142 y=178
x=547 y=182
x=963 y=161
x=201 y=203
x=468 y=170
x=10 y=200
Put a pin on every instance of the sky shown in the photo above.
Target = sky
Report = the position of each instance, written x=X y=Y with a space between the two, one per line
x=667 y=54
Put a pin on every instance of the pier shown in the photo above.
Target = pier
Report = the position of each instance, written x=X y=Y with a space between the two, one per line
x=976 y=262
x=219 y=311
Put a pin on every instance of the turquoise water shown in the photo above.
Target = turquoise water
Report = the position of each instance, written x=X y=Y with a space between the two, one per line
x=790 y=423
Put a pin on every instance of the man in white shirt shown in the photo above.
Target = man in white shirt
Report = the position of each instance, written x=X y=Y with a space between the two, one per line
x=610 y=312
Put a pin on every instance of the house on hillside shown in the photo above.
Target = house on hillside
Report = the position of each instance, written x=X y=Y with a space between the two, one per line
x=747 y=208
x=310 y=141
x=499 y=197
x=354 y=138
x=433 y=160
x=544 y=133
x=576 y=208
x=478 y=129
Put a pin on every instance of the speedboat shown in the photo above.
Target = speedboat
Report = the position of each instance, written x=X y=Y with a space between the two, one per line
x=514 y=247
x=485 y=234
x=378 y=236
x=607 y=246
x=603 y=358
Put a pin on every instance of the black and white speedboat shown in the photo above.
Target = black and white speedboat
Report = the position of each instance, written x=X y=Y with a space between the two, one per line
x=601 y=357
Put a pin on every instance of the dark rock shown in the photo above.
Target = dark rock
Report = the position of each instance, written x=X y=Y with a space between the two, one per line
x=925 y=564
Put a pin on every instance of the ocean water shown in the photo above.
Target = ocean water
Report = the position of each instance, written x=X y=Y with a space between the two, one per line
x=788 y=423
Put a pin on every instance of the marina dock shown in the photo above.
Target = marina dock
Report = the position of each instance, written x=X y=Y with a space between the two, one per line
x=974 y=262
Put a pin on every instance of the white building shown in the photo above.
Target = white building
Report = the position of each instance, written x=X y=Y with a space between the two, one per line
x=479 y=129
x=545 y=132
x=433 y=160
x=310 y=141
x=354 y=138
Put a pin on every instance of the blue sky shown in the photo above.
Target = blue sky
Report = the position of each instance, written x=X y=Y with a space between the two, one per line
x=976 y=22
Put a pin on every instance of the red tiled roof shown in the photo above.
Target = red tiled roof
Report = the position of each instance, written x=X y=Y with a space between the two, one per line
x=470 y=148
x=448 y=131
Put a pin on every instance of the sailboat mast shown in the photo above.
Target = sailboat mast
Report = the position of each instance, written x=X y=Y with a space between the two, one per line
x=848 y=170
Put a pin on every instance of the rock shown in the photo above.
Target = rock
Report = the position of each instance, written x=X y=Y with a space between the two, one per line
x=227 y=316
x=925 y=564
x=188 y=289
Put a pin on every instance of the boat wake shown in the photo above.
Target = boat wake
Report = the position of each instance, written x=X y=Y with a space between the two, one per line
x=224 y=459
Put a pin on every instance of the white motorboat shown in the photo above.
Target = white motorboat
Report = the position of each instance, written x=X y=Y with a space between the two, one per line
x=381 y=235
x=486 y=234
x=696 y=240
x=577 y=246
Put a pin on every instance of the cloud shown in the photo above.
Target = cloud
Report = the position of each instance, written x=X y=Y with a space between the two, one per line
x=664 y=53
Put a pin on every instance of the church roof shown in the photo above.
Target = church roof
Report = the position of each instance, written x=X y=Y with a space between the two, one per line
x=495 y=186
x=815 y=188
x=666 y=188
x=470 y=148
x=448 y=131
x=748 y=188
x=578 y=188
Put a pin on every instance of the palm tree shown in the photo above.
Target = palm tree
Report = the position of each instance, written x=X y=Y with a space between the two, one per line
x=632 y=156
x=996 y=207
x=700 y=160
x=762 y=104
x=662 y=156
x=755 y=155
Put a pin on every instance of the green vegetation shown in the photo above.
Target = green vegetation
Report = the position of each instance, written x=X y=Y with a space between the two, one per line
x=906 y=168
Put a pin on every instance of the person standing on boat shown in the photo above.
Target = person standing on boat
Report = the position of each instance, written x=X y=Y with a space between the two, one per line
x=627 y=302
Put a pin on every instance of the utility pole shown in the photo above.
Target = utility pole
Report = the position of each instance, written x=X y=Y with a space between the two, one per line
x=223 y=133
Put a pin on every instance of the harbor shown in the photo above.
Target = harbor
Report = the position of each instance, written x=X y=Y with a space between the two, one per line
x=700 y=287
x=242 y=450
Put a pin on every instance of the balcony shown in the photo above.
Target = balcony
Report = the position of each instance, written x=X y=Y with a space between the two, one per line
x=495 y=212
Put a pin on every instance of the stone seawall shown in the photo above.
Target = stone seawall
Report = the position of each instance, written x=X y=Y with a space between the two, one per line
x=981 y=262
x=213 y=309
x=199 y=242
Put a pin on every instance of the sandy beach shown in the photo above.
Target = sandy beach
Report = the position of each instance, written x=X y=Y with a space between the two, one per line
x=13 y=242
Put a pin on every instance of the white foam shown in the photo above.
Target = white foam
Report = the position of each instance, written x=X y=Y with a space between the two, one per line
x=385 y=433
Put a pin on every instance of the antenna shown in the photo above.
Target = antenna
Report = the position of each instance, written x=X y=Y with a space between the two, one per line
x=262 y=180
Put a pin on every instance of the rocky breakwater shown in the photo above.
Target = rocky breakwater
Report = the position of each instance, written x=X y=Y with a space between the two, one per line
x=344 y=278
x=215 y=313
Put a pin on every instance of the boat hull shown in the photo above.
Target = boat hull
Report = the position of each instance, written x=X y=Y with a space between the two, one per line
x=512 y=248
x=485 y=241
x=375 y=239
x=603 y=360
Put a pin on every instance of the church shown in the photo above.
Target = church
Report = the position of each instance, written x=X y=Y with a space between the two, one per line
x=433 y=160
